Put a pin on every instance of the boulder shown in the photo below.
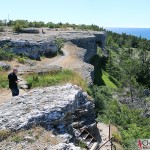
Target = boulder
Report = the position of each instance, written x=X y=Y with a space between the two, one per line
x=30 y=30
x=49 y=107
x=4 y=66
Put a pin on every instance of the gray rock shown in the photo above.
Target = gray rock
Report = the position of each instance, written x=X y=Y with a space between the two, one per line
x=48 y=47
x=64 y=146
x=39 y=69
x=41 y=106
x=4 y=66
x=30 y=30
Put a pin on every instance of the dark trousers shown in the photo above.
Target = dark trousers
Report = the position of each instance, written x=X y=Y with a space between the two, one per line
x=15 y=91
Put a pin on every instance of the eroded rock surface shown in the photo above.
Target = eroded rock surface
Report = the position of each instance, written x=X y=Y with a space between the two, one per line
x=4 y=66
x=34 y=46
x=56 y=108
x=41 y=106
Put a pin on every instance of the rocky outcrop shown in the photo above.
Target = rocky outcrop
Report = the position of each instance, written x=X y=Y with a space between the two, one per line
x=38 y=69
x=34 y=46
x=54 y=108
x=4 y=66
x=88 y=40
x=48 y=105
x=30 y=30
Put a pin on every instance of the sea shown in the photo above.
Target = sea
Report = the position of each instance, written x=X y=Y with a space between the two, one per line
x=143 y=32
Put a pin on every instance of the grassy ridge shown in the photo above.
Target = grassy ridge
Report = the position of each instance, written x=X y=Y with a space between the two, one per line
x=50 y=79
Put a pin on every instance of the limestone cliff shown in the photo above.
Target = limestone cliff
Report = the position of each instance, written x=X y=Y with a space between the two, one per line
x=44 y=44
x=83 y=45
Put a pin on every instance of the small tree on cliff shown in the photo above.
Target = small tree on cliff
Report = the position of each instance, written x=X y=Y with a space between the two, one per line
x=60 y=43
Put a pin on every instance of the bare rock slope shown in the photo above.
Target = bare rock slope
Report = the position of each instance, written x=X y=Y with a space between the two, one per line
x=54 y=108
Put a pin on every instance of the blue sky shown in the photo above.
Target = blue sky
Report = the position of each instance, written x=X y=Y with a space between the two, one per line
x=106 y=13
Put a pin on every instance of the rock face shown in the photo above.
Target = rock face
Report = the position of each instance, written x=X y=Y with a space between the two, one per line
x=38 y=69
x=48 y=105
x=37 y=45
x=88 y=40
x=34 y=46
x=56 y=108
x=4 y=66
x=30 y=30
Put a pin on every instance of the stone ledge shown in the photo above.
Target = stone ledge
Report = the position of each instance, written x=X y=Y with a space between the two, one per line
x=41 y=106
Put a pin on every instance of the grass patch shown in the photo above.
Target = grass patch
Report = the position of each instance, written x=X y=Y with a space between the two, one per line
x=56 y=78
x=17 y=138
x=108 y=80
x=3 y=80
x=4 y=134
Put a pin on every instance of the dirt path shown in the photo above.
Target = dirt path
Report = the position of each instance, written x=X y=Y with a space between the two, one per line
x=5 y=94
x=104 y=132
x=68 y=60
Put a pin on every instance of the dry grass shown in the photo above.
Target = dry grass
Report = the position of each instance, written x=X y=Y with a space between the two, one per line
x=32 y=137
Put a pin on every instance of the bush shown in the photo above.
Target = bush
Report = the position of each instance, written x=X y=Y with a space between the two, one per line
x=101 y=96
x=6 y=55
x=17 y=28
x=60 y=43
x=21 y=60
x=117 y=137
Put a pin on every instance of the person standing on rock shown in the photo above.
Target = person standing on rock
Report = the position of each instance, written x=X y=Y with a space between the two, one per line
x=13 y=80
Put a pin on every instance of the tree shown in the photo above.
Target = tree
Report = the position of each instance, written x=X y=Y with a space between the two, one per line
x=130 y=66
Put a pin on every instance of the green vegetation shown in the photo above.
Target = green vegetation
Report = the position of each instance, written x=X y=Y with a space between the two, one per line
x=60 y=43
x=18 y=25
x=3 y=79
x=55 y=78
x=124 y=75
x=129 y=121
x=107 y=80
x=21 y=60
x=6 y=55
x=17 y=139
x=4 y=134
x=82 y=145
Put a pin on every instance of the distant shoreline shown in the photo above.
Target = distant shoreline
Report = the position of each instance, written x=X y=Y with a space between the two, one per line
x=143 y=32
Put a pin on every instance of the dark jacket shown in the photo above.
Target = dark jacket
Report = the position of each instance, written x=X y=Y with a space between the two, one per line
x=12 y=80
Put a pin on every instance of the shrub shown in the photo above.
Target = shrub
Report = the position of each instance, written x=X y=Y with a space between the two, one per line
x=117 y=137
x=60 y=43
x=17 y=28
x=82 y=145
x=21 y=60
x=6 y=55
